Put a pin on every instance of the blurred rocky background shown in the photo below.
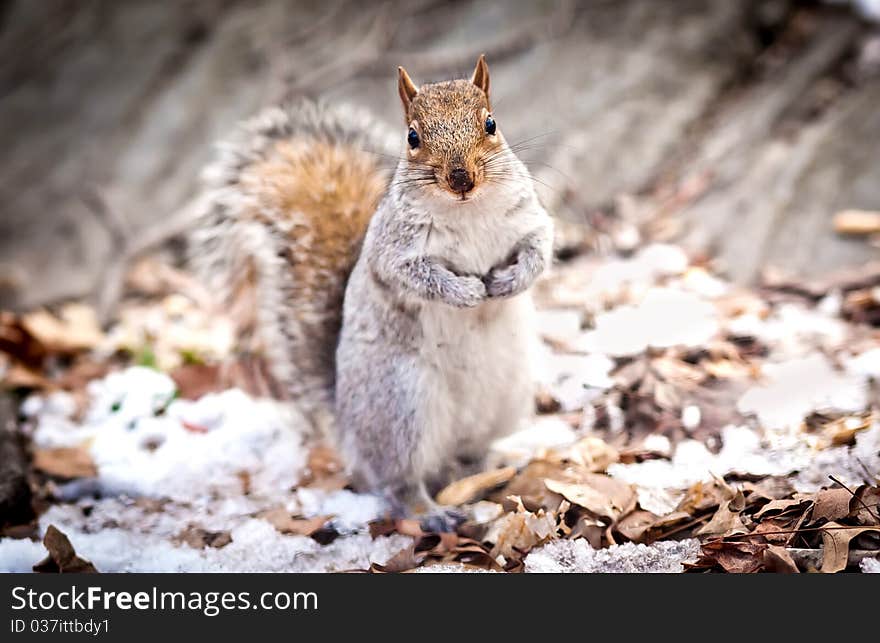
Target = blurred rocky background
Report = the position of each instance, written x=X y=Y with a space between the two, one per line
x=739 y=129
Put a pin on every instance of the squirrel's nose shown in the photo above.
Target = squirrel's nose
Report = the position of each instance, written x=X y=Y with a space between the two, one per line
x=460 y=180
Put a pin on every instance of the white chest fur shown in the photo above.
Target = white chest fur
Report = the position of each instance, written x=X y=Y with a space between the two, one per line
x=473 y=238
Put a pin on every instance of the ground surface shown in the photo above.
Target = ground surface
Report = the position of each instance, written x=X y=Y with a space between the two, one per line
x=681 y=420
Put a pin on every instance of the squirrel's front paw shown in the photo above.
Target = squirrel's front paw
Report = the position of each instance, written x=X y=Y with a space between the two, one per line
x=502 y=281
x=469 y=292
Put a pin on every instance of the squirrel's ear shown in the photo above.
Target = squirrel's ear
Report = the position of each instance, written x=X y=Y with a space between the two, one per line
x=481 y=75
x=406 y=88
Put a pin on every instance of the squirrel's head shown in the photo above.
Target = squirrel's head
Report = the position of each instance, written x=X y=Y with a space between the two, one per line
x=451 y=135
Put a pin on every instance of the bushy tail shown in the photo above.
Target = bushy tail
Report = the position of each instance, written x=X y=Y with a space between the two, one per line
x=285 y=208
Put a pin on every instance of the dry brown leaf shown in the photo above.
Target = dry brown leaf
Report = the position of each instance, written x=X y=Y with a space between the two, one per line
x=777 y=559
x=199 y=538
x=866 y=507
x=634 y=525
x=835 y=545
x=831 y=505
x=602 y=495
x=837 y=429
x=404 y=560
x=780 y=507
x=471 y=488
x=843 y=431
x=778 y=530
x=75 y=329
x=62 y=557
x=591 y=530
x=670 y=521
x=17 y=375
x=727 y=369
x=18 y=343
x=731 y=557
x=518 y=532
x=769 y=488
x=529 y=485
x=195 y=380
x=591 y=453
x=583 y=496
x=703 y=496
x=727 y=519
x=65 y=462
x=325 y=470
x=285 y=523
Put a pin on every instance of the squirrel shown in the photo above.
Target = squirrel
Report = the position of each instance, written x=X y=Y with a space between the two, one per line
x=434 y=334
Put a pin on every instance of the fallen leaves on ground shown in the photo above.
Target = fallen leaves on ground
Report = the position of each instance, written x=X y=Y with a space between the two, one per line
x=836 y=429
x=67 y=462
x=826 y=525
x=286 y=523
x=62 y=557
x=75 y=328
x=676 y=392
x=472 y=487
x=324 y=469
x=430 y=548
x=199 y=538
x=195 y=380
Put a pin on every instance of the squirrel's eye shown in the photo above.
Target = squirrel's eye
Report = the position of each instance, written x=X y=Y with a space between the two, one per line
x=412 y=138
x=490 y=126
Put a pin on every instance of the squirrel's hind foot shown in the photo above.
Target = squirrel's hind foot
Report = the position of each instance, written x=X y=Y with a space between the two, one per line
x=442 y=520
x=414 y=501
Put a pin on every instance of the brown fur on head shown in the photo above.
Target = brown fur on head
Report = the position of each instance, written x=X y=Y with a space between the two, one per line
x=450 y=124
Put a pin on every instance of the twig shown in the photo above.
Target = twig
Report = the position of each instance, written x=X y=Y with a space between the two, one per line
x=783 y=532
x=853 y=494
x=692 y=523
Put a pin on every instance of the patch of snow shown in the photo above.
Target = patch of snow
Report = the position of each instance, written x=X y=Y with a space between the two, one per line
x=351 y=511
x=658 y=501
x=146 y=443
x=700 y=282
x=744 y=451
x=636 y=274
x=577 y=556
x=559 y=325
x=256 y=547
x=546 y=432
x=666 y=317
x=692 y=462
x=870 y=566
x=793 y=389
x=576 y=380
x=847 y=464
x=691 y=416
x=866 y=364
x=659 y=443
x=792 y=330
x=19 y=556
x=58 y=404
